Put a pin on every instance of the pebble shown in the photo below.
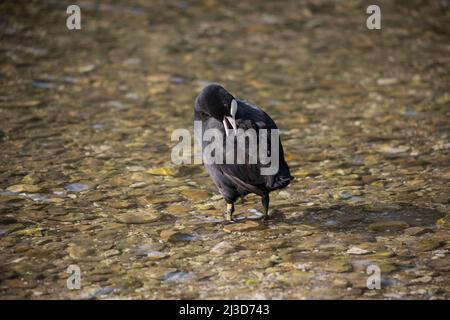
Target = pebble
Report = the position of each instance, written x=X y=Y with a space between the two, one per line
x=120 y=204
x=158 y=272
x=205 y=206
x=111 y=253
x=77 y=251
x=31 y=179
x=393 y=149
x=357 y=251
x=156 y=255
x=424 y=279
x=178 y=209
x=140 y=216
x=387 y=81
x=179 y=276
x=417 y=231
x=222 y=248
x=195 y=194
x=388 y=226
x=138 y=185
x=176 y=236
x=32 y=232
x=146 y=248
x=338 y=266
x=444 y=223
x=23 y=188
x=427 y=244
x=166 y=171
x=296 y=278
x=242 y=226
x=86 y=68
x=135 y=168
x=76 y=187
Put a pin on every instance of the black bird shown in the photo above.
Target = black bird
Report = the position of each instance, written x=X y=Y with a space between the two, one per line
x=216 y=108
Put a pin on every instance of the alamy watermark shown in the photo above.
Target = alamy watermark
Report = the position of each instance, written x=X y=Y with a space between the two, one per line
x=373 y=22
x=74 y=280
x=374 y=279
x=236 y=146
x=73 y=22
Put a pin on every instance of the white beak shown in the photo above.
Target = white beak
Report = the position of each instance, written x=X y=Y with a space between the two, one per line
x=233 y=108
x=231 y=120
x=229 y=123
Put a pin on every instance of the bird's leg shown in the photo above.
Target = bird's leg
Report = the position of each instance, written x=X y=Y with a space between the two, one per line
x=229 y=213
x=265 y=202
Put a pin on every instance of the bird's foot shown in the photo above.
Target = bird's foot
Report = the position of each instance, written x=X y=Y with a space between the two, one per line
x=229 y=218
x=229 y=213
x=265 y=203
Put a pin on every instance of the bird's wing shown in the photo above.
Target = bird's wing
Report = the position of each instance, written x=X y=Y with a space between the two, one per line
x=248 y=176
x=250 y=113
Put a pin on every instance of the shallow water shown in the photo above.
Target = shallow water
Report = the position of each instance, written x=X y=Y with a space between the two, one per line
x=86 y=179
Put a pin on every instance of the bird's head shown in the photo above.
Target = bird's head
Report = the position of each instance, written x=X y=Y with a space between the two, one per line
x=214 y=101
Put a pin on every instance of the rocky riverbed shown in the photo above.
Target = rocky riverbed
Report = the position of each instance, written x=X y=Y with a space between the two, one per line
x=86 y=178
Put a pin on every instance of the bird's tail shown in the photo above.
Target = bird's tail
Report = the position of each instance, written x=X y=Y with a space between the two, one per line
x=282 y=182
x=282 y=179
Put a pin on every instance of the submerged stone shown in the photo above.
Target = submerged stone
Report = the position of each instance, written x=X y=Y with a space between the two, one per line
x=339 y=266
x=179 y=277
x=427 y=244
x=386 y=267
x=357 y=251
x=120 y=204
x=156 y=255
x=80 y=251
x=195 y=194
x=296 y=278
x=33 y=232
x=424 y=279
x=223 y=247
x=205 y=206
x=417 y=231
x=176 y=236
x=444 y=223
x=111 y=253
x=140 y=216
x=243 y=226
x=166 y=171
x=388 y=226
x=158 y=272
x=23 y=188
x=177 y=209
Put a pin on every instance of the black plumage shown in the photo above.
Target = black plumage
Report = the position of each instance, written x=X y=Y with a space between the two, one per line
x=214 y=108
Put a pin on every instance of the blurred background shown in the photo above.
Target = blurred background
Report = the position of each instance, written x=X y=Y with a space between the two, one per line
x=85 y=123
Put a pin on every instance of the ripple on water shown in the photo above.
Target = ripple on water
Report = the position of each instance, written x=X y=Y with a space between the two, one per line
x=76 y=187
x=37 y=197
x=8 y=193
x=179 y=276
x=208 y=218
x=99 y=293
x=98 y=126
x=42 y=85
x=150 y=251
